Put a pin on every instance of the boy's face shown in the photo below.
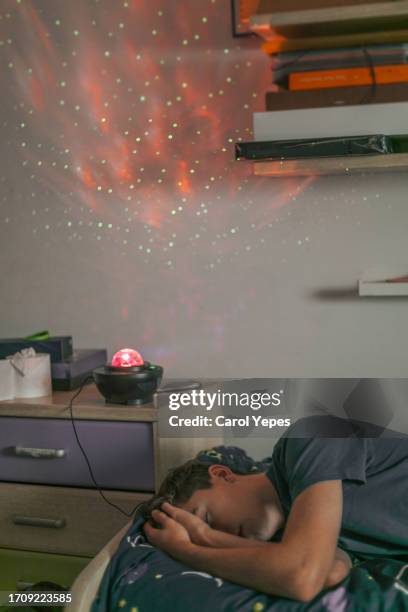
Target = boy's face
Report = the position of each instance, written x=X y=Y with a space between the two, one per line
x=229 y=506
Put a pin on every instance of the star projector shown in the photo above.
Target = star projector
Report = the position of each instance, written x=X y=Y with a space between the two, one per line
x=128 y=379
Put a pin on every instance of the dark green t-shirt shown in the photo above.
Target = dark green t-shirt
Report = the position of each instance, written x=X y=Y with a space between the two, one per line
x=373 y=470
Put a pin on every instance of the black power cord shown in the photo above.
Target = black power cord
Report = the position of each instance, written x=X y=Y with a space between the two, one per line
x=101 y=493
x=368 y=97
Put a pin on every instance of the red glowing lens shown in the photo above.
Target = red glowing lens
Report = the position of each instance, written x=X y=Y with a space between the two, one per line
x=126 y=358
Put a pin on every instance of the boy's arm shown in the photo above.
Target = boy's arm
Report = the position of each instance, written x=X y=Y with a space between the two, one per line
x=220 y=539
x=297 y=567
x=202 y=534
x=340 y=569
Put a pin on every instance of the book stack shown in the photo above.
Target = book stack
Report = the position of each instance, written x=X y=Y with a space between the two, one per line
x=335 y=77
x=327 y=54
x=295 y=25
x=334 y=52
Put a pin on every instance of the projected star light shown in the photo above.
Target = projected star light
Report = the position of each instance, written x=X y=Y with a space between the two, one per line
x=123 y=119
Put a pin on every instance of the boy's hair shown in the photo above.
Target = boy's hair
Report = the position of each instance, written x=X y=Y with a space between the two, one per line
x=179 y=485
x=181 y=482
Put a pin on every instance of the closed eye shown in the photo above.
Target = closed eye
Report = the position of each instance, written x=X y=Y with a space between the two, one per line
x=205 y=517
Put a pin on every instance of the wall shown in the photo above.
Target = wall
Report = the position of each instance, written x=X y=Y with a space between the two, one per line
x=124 y=219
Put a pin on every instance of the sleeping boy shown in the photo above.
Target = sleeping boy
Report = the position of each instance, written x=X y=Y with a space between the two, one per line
x=330 y=483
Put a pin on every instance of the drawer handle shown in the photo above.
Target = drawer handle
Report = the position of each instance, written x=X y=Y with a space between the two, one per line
x=39 y=453
x=34 y=521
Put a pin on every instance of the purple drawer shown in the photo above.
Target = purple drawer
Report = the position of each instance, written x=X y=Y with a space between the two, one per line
x=120 y=453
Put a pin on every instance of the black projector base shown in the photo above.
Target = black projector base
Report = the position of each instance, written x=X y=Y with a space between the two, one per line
x=128 y=386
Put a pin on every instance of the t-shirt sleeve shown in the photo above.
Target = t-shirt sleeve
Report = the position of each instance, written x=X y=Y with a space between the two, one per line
x=312 y=460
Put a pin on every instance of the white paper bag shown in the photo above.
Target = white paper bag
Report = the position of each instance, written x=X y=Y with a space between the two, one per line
x=32 y=374
x=7 y=376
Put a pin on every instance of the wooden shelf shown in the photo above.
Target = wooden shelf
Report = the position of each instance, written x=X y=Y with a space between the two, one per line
x=333 y=165
x=382 y=289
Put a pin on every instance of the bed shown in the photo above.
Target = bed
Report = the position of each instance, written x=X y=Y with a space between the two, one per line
x=131 y=575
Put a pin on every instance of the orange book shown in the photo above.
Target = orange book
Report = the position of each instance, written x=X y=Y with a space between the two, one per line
x=347 y=77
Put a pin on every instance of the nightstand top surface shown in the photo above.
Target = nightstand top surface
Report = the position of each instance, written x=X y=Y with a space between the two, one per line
x=88 y=405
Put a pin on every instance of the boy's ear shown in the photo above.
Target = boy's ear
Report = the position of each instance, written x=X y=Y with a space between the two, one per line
x=221 y=471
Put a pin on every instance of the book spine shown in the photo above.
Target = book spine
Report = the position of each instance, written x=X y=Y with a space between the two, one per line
x=281 y=76
x=343 y=52
x=347 y=77
x=338 y=96
x=314 y=148
x=337 y=63
x=341 y=121
x=281 y=72
x=283 y=6
x=279 y=44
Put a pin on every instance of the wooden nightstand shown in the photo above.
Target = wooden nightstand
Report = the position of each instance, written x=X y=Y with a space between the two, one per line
x=49 y=508
x=52 y=519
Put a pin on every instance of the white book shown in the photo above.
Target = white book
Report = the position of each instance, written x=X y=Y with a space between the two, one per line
x=358 y=120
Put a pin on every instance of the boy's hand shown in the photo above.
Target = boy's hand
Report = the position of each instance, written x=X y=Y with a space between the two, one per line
x=171 y=537
x=197 y=529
